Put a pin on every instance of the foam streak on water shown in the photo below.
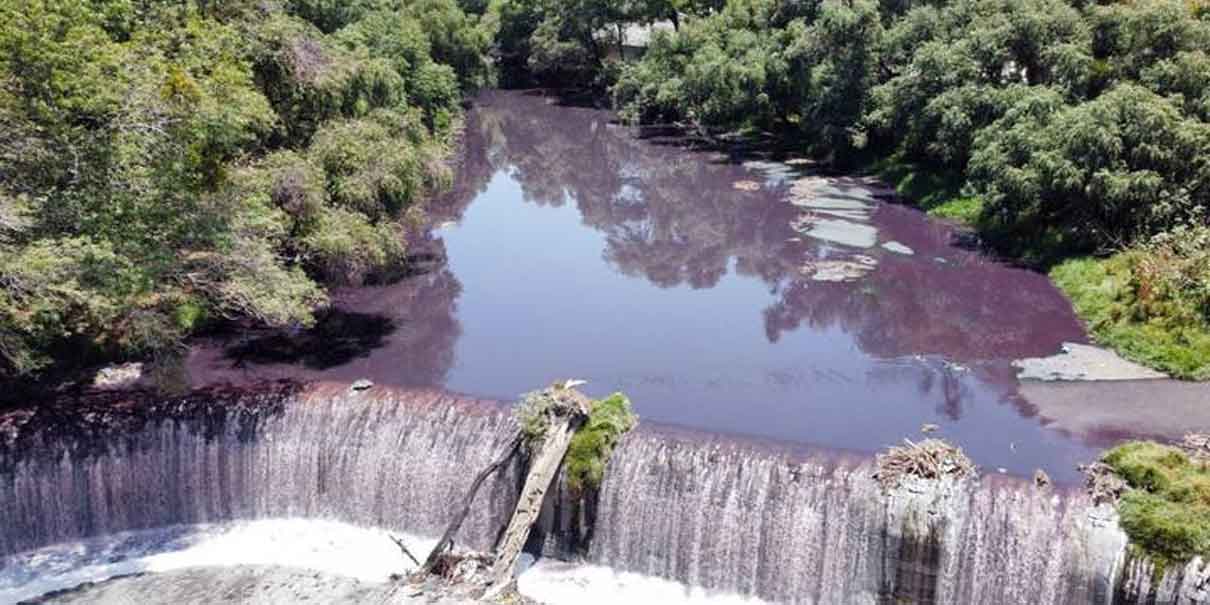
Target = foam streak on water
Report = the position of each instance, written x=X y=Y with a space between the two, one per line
x=556 y=582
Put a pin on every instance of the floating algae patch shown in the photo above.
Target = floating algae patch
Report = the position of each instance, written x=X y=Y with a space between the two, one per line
x=840 y=270
x=1166 y=511
x=843 y=232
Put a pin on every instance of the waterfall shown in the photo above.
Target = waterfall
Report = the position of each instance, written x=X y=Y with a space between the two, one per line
x=819 y=529
x=395 y=460
x=815 y=530
x=751 y=518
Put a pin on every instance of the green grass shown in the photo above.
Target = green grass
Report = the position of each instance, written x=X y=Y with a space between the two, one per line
x=940 y=194
x=965 y=210
x=1167 y=513
x=1105 y=292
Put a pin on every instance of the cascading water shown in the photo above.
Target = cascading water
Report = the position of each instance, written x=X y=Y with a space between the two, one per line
x=394 y=460
x=817 y=531
x=746 y=518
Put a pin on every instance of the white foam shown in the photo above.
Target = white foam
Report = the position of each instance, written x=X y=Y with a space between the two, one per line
x=559 y=583
x=366 y=554
x=338 y=548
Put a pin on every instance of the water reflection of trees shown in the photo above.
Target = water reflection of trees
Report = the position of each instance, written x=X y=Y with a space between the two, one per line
x=402 y=333
x=674 y=218
x=913 y=306
x=667 y=215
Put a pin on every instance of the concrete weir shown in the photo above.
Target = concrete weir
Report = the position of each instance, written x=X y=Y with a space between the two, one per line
x=751 y=518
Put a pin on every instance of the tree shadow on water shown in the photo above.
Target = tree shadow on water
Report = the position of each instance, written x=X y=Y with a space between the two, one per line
x=337 y=338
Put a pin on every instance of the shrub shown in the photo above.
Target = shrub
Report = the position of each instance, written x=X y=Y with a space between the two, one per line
x=1151 y=302
x=370 y=167
x=1093 y=176
x=162 y=165
x=611 y=418
x=62 y=291
x=345 y=248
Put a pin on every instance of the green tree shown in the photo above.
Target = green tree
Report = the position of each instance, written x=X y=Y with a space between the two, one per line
x=165 y=165
x=1094 y=176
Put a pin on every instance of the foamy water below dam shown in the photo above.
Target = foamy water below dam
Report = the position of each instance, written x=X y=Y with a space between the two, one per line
x=731 y=519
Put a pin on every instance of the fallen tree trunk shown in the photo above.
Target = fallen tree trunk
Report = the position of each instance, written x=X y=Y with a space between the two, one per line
x=549 y=420
x=563 y=412
x=447 y=538
x=542 y=470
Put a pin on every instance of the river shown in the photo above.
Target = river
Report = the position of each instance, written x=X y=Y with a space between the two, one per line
x=720 y=291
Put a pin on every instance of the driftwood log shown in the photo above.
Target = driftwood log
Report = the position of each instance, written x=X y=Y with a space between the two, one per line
x=543 y=468
x=447 y=538
x=558 y=413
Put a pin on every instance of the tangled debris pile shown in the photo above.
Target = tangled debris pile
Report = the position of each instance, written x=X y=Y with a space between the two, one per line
x=1196 y=445
x=1102 y=483
x=461 y=578
x=536 y=410
x=929 y=459
x=1041 y=479
x=1105 y=482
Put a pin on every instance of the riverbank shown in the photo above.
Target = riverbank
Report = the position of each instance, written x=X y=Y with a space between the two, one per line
x=1143 y=302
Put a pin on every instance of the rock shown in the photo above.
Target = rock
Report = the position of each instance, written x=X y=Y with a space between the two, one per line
x=361 y=384
x=1041 y=479
x=929 y=428
x=1196 y=445
x=815 y=202
x=746 y=185
x=776 y=171
x=898 y=248
x=852 y=215
x=119 y=376
x=1083 y=362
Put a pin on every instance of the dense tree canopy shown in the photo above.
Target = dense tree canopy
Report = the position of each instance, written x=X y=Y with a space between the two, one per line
x=1081 y=125
x=167 y=164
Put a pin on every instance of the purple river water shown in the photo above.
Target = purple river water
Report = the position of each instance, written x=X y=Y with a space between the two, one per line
x=738 y=297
